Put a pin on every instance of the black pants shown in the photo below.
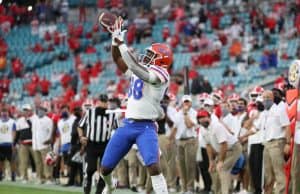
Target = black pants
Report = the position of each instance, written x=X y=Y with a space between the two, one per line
x=203 y=165
x=256 y=165
x=94 y=151
x=75 y=168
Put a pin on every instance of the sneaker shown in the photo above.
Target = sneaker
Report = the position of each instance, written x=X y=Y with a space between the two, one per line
x=39 y=182
x=24 y=181
x=172 y=190
x=49 y=182
x=134 y=189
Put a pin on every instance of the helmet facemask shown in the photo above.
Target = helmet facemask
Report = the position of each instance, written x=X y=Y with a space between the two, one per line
x=148 y=58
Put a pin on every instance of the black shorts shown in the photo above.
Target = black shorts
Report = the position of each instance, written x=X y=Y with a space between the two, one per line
x=5 y=153
x=94 y=151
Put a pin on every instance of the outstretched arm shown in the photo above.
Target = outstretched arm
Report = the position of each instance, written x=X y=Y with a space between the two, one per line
x=116 y=55
x=124 y=58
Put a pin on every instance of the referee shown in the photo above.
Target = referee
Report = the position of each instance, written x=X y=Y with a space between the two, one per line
x=94 y=131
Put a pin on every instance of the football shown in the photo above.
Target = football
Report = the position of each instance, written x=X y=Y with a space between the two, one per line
x=107 y=19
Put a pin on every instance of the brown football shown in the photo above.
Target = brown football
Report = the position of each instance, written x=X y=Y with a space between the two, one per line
x=107 y=19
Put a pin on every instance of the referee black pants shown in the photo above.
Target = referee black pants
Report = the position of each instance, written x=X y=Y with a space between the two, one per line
x=256 y=166
x=94 y=153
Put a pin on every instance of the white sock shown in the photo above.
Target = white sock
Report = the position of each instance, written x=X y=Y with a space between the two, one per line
x=159 y=184
x=108 y=180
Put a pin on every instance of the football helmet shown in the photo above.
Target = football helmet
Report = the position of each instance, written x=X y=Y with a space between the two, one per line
x=217 y=96
x=158 y=54
x=50 y=158
x=255 y=92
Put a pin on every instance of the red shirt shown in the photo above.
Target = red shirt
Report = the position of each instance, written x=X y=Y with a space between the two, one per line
x=4 y=83
x=31 y=89
x=47 y=36
x=37 y=48
x=69 y=94
x=193 y=74
x=17 y=66
x=90 y=49
x=165 y=33
x=65 y=80
x=56 y=38
x=78 y=31
x=85 y=77
x=35 y=78
x=45 y=85
x=73 y=43
x=270 y=23
x=218 y=110
x=55 y=117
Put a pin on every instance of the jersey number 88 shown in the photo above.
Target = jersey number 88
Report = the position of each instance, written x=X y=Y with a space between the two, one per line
x=136 y=89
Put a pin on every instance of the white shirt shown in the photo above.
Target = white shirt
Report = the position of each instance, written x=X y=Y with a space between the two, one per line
x=6 y=128
x=41 y=131
x=273 y=122
x=231 y=122
x=21 y=124
x=182 y=130
x=258 y=137
x=65 y=129
x=144 y=98
x=202 y=133
x=171 y=112
x=217 y=133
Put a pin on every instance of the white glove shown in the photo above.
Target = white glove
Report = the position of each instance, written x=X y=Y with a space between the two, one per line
x=117 y=33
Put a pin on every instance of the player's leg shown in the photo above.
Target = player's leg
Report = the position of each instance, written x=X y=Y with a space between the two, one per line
x=147 y=143
x=116 y=149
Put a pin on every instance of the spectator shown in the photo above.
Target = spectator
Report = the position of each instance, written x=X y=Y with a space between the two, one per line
x=31 y=88
x=85 y=76
x=64 y=10
x=235 y=50
x=35 y=78
x=264 y=62
x=82 y=11
x=44 y=86
x=228 y=72
x=65 y=80
x=4 y=84
x=17 y=67
x=273 y=61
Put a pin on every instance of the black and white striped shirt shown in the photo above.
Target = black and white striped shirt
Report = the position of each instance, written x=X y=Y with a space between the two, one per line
x=98 y=125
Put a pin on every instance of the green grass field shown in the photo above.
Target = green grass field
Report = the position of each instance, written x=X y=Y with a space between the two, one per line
x=19 y=188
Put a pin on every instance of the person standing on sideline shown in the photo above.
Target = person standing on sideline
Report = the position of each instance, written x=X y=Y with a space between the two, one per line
x=24 y=139
x=42 y=130
x=7 y=147
x=187 y=142
x=277 y=139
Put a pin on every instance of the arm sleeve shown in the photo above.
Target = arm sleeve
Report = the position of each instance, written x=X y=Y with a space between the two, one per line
x=14 y=127
x=284 y=118
x=136 y=68
x=83 y=120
